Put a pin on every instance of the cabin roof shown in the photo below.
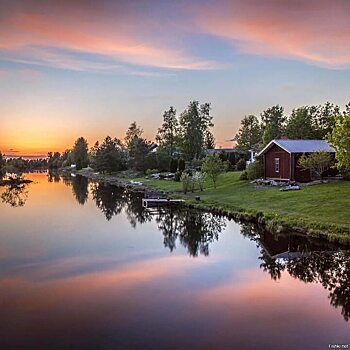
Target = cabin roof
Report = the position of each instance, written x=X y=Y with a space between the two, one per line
x=300 y=146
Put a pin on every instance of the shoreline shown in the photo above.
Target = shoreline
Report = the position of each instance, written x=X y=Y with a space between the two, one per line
x=270 y=221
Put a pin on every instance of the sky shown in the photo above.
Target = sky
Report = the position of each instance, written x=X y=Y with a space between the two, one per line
x=89 y=68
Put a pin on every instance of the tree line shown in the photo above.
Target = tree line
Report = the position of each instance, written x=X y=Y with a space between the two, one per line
x=306 y=122
x=20 y=165
x=179 y=139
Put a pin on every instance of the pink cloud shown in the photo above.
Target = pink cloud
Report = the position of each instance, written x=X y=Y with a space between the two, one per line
x=107 y=32
x=316 y=31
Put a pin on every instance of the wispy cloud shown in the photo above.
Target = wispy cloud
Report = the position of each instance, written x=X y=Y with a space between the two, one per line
x=33 y=37
x=315 y=31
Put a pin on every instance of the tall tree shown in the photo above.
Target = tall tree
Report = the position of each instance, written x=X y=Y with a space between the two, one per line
x=273 y=122
x=249 y=134
x=195 y=122
x=167 y=135
x=131 y=133
x=80 y=153
x=340 y=140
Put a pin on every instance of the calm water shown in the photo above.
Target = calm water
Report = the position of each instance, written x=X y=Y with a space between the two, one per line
x=83 y=266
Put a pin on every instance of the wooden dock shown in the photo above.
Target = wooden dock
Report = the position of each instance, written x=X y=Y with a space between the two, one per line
x=160 y=202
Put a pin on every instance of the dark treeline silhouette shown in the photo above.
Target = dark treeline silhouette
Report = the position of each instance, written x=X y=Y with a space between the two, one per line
x=21 y=165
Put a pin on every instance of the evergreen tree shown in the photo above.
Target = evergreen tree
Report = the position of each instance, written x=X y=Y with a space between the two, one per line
x=109 y=156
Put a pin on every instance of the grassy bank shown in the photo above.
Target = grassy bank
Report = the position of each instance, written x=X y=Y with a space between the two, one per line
x=319 y=210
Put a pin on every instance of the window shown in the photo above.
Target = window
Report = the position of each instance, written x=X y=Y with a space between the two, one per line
x=277 y=165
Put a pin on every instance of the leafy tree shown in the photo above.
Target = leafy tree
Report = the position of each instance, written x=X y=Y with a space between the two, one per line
x=109 y=156
x=213 y=166
x=302 y=123
x=131 y=133
x=273 y=122
x=80 y=155
x=326 y=118
x=195 y=122
x=316 y=162
x=167 y=135
x=249 y=135
x=340 y=140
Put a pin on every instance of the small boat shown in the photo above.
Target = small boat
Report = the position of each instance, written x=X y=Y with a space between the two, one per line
x=157 y=202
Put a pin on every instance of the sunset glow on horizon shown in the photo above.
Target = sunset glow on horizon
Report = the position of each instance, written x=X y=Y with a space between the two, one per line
x=90 y=68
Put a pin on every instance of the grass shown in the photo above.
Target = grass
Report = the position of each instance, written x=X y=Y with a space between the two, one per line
x=318 y=207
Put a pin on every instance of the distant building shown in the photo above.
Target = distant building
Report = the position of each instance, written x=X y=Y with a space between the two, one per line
x=281 y=158
x=225 y=150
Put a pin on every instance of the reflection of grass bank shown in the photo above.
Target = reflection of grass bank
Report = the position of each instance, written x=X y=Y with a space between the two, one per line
x=319 y=210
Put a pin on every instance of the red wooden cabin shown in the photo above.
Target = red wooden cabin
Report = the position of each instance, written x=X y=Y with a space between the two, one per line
x=281 y=158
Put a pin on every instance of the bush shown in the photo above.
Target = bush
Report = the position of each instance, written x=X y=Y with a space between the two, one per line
x=151 y=171
x=241 y=165
x=199 y=179
x=244 y=175
x=177 y=176
x=255 y=170
x=186 y=180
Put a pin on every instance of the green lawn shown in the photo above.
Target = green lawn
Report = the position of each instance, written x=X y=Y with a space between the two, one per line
x=318 y=205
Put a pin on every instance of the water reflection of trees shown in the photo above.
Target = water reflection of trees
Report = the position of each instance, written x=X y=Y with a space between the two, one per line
x=195 y=230
x=109 y=199
x=330 y=268
x=80 y=188
x=15 y=196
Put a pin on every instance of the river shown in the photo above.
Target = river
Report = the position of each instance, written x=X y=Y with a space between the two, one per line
x=84 y=266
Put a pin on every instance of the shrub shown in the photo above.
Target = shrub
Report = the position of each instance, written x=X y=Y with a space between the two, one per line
x=177 y=176
x=241 y=165
x=255 y=170
x=244 y=175
x=199 y=179
x=186 y=180
x=151 y=171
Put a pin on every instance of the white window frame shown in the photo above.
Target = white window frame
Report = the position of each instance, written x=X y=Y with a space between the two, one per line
x=277 y=165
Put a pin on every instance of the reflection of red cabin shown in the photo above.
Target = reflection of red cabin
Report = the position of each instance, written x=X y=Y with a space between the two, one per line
x=281 y=158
